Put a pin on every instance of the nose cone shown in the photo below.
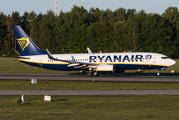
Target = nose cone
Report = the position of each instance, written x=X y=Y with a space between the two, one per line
x=172 y=62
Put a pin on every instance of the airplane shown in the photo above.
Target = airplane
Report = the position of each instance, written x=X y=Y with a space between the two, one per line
x=94 y=63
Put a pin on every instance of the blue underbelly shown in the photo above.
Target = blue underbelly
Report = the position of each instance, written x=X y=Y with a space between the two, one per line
x=64 y=67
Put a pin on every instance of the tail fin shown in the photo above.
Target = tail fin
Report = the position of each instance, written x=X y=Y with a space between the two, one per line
x=26 y=45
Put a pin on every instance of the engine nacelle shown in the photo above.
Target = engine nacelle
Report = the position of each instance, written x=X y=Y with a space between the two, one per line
x=105 y=69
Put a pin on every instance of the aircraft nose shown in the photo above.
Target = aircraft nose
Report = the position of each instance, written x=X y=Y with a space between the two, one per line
x=172 y=62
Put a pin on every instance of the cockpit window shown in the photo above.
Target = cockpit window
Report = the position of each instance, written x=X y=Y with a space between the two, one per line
x=164 y=57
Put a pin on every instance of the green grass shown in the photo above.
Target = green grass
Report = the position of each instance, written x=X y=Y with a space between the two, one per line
x=82 y=107
x=72 y=85
x=12 y=65
x=101 y=107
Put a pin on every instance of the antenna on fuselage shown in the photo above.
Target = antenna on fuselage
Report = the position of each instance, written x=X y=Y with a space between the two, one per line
x=89 y=51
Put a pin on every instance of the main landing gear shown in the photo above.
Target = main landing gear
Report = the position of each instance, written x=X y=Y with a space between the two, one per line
x=90 y=74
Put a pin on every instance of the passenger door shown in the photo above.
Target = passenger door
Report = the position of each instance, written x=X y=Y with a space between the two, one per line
x=154 y=59
x=40 y=62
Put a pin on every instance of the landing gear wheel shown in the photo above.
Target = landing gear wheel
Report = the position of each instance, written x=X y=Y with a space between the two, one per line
x=89 y=74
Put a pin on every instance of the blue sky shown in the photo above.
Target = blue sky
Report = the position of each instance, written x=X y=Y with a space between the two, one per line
x=42 y=6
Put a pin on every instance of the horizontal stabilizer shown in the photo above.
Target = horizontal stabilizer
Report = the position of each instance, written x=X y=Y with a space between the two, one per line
x=20 y=57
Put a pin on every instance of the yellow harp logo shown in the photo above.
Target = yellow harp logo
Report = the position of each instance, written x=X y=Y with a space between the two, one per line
x=23 y=42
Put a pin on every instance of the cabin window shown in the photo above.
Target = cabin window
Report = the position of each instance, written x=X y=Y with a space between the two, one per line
x=164 y=57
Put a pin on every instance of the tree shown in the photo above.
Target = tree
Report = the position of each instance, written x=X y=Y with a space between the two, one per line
x=77 y=40
x=3 y=32
x=26 y=21
x=35 y=29
x=131 y=35
x=172 y=15
x=11 y=42
x=157 y=35
x=120 y=15
x=101 y=30
x=46 y=36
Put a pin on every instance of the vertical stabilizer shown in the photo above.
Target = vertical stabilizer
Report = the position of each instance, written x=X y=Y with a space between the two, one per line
x=25 y=44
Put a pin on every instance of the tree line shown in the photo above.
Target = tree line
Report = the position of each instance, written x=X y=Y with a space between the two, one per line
x=122 y=30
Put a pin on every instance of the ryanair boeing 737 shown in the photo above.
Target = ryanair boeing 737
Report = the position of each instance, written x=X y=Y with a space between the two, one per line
x=95 y=63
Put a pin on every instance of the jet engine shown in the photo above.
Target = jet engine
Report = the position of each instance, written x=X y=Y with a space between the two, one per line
x=105 y=69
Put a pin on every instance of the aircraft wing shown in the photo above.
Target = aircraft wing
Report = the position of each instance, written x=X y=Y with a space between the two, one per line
x=74 y=63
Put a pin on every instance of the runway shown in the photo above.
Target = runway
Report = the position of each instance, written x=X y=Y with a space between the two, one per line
x=90 y=92
x=104 y=78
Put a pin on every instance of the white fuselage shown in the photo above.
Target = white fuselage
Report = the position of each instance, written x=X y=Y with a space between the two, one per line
x=128 y=60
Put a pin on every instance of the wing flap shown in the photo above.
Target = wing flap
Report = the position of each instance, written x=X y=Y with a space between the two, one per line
x=71 y=65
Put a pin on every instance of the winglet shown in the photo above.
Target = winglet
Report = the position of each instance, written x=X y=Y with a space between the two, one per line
x=49 y=54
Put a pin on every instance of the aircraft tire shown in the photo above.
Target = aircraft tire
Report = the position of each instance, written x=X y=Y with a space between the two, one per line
x=89 y=74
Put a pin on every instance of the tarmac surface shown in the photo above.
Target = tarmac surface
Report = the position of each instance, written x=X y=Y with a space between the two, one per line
x=104 y=78
x=113 y=78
